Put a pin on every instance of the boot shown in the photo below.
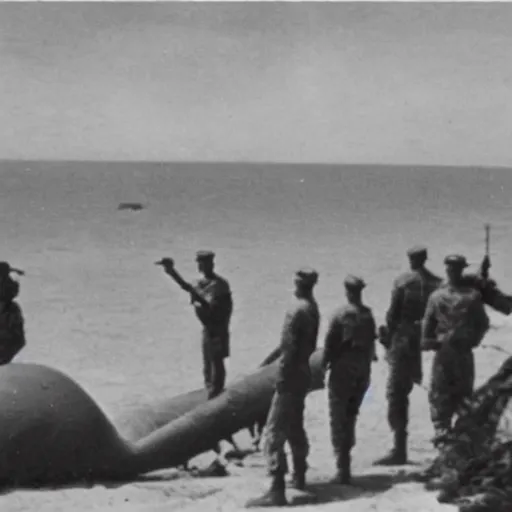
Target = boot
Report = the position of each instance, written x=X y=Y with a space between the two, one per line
x=299 y=474
x=398 y=455
x=343 y=475
x=299 y=481
x=275 y=497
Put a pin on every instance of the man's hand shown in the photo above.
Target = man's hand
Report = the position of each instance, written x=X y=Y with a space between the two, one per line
x=485 y=266
x=384 y=336
x=430 y=344
x=167 y=263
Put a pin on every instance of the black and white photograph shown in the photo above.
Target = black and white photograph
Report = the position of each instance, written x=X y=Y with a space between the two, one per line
x=255 y=255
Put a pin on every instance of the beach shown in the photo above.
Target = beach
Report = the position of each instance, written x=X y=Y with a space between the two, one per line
x=97 y=308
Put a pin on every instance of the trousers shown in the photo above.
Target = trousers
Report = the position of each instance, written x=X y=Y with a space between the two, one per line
x=453 y=377
x=405 y=369
x=348 y=382
x=285 y=423
x=214 y=371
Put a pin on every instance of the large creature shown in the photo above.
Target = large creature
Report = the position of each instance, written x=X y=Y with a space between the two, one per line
x=53 y=432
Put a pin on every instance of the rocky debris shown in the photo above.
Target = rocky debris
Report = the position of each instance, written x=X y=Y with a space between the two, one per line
x=474 y=467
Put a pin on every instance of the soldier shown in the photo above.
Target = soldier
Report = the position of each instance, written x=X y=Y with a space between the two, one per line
x=12 y=331
x=215 y=320
x=403 y=322
x=285 y=421
x=348 y=350
x=212 y=300
x=455 y=322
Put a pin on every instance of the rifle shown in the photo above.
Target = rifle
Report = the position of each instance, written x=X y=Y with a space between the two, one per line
x=486 y=263
x=168 y=264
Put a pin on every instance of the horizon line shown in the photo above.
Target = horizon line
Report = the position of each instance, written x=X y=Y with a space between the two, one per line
x=256 y=163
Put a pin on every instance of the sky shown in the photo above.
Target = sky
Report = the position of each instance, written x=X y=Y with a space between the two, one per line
x=403 y=83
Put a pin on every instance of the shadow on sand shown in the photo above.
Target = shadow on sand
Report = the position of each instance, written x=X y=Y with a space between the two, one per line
x=363 y=486
x=8 y=488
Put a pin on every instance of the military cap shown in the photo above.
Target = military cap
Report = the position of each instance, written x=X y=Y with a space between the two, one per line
x=354 y=283
x=307 y=275
x=456 y=260
x=418 y=251
x=205 y=255
x=6 y=269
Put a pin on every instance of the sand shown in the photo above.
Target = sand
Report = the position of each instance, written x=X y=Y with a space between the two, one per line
x=98 y=309
x=374 y=488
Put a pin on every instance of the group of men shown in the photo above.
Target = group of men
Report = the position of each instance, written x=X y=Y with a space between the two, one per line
x=425 y=313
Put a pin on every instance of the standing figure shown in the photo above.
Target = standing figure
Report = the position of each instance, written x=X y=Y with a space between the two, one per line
x=455 y=323
x=215 y=317
x=12 y=330
x=348 y=350
x=411 y=291
x=285 y=421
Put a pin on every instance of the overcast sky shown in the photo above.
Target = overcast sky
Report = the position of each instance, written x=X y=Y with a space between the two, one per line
x=381 y=83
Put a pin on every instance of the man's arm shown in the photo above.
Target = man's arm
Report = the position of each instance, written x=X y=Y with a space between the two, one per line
x=428 y=327
x=375 y=336
x=395 y=309
x=333 y=336
x=290 y=336
x=273 y=356
x=168 y=265
x=480 y=321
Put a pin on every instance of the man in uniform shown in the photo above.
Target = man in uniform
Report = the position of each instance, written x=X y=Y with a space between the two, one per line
x=411 y=291
x=455 y=322
x=348 y=350
x=285 y=421
x=12 y=331
x=213 y=304
x=215 y=319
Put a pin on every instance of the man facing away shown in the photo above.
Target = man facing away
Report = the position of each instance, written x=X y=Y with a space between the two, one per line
x=409 y=297
x=348 y=350
x=455 y=322
x=215 y=320
x=285 y=421
x=12 y=331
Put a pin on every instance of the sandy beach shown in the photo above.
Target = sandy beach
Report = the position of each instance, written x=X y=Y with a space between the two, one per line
x=374 y=488
x=334 y=135
x=98 y=309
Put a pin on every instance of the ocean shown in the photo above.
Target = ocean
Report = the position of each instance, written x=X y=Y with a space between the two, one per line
x=97 y=307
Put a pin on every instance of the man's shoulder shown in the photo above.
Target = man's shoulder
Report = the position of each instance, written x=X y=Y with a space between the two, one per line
x=217 y=283
x=12 y=307
x=345 y=312
x=406 y=278
x=431 y=278
x=12 y=310
x=441 y=292
x=413 y=277
x=366 y=310
x=445 y=290
x=300 y=305
x=221 y=283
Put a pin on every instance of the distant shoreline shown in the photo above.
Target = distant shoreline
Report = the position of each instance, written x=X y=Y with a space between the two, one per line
x=262 y=163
